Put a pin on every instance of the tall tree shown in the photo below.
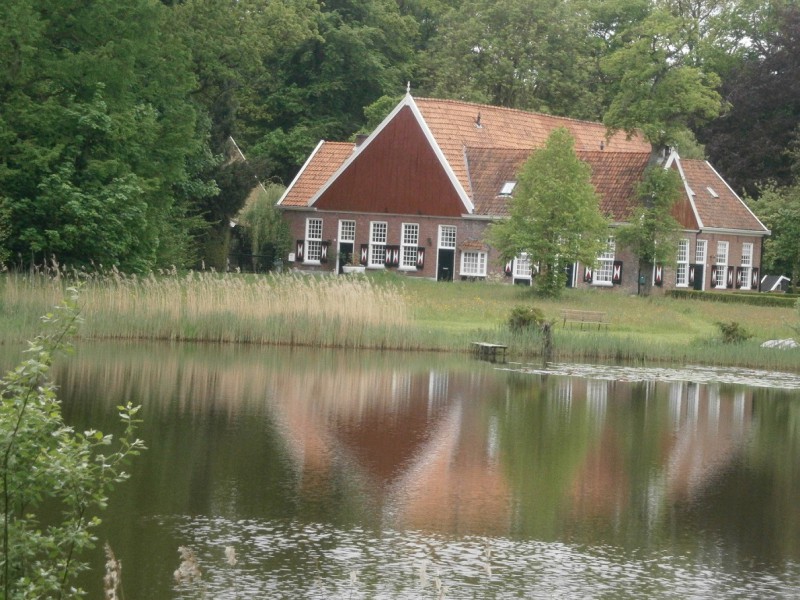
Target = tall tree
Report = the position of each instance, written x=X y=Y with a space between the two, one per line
x=660 y=85
x=651 y=232
x=554 y=215
x=779 y=210
x=96 y=130
x=749 y=143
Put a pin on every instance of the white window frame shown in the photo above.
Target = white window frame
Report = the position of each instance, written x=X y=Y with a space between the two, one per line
x=682 y=264
x=604 y=269
x=721 y=279
x=313 y=249
x=700 y=252
x=347 y=230
x=409 y=246
x=447 y=237
x=522 y=266
x=378 y=234
x=747 y=265
x=473 y=263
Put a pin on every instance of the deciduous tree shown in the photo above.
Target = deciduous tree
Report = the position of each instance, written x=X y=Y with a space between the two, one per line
x=555 y=214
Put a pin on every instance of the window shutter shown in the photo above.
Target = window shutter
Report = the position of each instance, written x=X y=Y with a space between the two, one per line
x=714 y=269
x=729 y=280
x=364 y=253
x=587 y=274
x=616 y=274
x=754 y=281
x=420 y=257
x=739 y=277
x=509 y=268
x=658 y=276
x=299 y=250
x=392 y=258
x=323 y=252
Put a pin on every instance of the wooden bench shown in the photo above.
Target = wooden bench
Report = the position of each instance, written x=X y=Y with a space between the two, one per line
x=489 y=351
x=584 y=317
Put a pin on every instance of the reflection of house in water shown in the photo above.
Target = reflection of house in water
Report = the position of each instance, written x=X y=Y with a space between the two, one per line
x=706 y=431
x=416 y=445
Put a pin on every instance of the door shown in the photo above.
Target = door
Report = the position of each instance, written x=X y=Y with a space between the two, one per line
x=446 y=263
x=345 y=255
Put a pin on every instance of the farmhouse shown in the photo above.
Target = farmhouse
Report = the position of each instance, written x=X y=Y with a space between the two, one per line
x=418 y=193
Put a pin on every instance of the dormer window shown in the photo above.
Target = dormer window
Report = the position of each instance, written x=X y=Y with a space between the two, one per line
x=712 y=192
x=508 y=188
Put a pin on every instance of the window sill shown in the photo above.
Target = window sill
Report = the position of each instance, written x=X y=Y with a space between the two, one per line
x=602 y=283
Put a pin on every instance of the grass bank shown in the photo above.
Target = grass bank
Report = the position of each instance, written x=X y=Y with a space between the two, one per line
x=387 y=311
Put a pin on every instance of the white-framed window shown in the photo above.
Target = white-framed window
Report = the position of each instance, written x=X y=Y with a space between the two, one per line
x=682 y=266
x=377 y=243
x=409 y=243
x=447 y=236
x=700 y=252
x=747 y=265
x=473 y=263
x=722 y=265
x=604 y=271
x=522 y=266
x=347 y=231
x=313 y=251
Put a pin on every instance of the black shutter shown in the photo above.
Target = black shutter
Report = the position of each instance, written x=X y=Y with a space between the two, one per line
x=616 y=274
x=587 y=274
x=754 y=281
x=364 y=254
x=739 y=277
x=714 y=270
x=729 y=280
x=509 y=268
x=323 y=251
x=420 y=257
x=658 y=277
x=299 y=250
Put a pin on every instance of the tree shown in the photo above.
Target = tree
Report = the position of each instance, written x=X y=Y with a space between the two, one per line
x=660 y=85
x=554 y=215
x=265 y=232
x=96 y=131
x=49 y=469
x=748 y=143
x=651 y=232
x=779 y=210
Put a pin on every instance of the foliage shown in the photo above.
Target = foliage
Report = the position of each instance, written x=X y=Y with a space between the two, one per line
x=49 y=469
x=748 y=143
x=660 y=87
x=555 y=214
x=96 y=130
x=750 y=298
x=651 y=232
x=265 y=232
x=779 y=210
x=525 y=317
x=733 y=332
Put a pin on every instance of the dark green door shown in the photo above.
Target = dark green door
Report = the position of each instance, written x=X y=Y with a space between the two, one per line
x=446 y=264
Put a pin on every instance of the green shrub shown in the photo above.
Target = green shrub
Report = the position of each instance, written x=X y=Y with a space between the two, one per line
x=525 y=317
x=753 y=298
x=733 y=333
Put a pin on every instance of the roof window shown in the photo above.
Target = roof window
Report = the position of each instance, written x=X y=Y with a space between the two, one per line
x=508 y=188
x=712 y=192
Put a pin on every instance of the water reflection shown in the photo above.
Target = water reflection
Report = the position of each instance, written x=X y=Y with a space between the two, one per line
x=515 y=483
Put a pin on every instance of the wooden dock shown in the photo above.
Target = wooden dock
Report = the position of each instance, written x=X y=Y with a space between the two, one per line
x=489 y=351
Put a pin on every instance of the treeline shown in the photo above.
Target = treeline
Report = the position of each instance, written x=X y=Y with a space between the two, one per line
x=117 y=115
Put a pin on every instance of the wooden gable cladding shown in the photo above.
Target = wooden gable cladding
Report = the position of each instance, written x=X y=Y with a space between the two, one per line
x=397 y=173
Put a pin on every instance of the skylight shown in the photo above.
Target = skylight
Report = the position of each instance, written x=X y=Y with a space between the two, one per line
x=712 y=192
x=507 y=188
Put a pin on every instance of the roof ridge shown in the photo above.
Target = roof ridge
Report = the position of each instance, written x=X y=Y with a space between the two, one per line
x=507 y=109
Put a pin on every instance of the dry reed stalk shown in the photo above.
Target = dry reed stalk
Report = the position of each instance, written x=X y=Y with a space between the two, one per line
x=112 y=582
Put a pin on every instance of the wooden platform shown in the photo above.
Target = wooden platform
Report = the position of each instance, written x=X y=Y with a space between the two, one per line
x=489 y=351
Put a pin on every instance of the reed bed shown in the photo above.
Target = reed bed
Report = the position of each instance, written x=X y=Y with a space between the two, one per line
x=206 y=306
x=386 y=311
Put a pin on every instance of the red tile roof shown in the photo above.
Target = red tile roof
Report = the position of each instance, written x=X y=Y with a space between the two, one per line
x=454 y=125
x=721 y=209
x=321 y=165
x=615 y=176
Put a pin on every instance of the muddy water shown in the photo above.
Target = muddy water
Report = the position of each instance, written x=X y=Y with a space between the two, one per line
x=367 y=475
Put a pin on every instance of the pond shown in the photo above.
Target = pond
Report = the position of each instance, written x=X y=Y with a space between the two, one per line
x=344 y=474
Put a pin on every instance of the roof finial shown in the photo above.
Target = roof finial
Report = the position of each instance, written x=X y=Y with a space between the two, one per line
x=408 y=87
x=602 y=145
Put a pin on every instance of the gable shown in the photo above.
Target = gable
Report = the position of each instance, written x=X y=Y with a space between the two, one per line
x=397 y=172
